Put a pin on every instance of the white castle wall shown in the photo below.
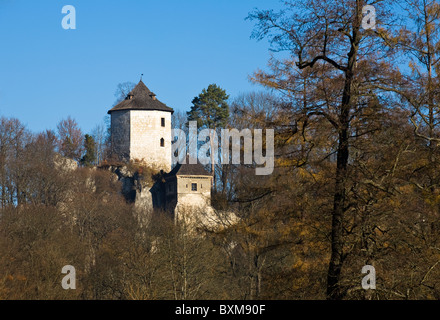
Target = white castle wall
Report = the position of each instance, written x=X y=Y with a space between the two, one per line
x=199 y=198
x=145 y=134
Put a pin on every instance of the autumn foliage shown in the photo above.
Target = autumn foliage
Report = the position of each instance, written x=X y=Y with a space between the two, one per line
x=356 y=179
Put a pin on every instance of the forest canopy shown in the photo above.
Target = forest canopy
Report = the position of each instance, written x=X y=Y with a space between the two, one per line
x=356 y=179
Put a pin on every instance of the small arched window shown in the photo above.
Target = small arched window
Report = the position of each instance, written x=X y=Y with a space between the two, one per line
x=162 y=142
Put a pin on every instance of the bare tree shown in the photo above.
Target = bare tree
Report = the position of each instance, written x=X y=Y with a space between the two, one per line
x=101 y=136
x=123 y=90
x=70 y=139
x=333 y=61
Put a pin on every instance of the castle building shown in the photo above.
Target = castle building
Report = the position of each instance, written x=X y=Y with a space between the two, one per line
x=141 y=129
x=188 y=185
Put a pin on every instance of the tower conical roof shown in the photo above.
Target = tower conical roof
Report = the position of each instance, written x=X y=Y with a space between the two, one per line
x=141 y=98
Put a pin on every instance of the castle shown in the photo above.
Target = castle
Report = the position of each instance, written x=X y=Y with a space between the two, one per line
x=141 y=131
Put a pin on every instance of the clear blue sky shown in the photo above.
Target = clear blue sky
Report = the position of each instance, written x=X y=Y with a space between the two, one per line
x=48 y=73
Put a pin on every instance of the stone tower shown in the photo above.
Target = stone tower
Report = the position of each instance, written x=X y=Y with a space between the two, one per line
x=141 y=129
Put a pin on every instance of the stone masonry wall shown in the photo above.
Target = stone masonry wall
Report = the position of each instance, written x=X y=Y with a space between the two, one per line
x=120 y=134
x=145 y=135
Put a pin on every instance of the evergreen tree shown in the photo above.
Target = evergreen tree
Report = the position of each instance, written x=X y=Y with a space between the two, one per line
x=211 y=110
x=89 y=145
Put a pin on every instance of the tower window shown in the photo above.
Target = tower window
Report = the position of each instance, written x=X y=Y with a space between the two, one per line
x=162 y=122
x=193 y=186
x=162 y=142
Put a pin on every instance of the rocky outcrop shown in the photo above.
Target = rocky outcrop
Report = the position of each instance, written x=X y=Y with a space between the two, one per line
x=138 y=189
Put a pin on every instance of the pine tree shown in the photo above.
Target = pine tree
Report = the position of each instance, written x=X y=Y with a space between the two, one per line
x=89 y=158
x=211 y=111
x=210 y=108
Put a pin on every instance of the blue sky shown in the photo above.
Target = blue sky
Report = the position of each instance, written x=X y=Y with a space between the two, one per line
x=48 y=73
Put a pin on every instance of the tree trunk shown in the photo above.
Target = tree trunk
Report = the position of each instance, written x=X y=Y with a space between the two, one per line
x=211 y=141
x=334 y=290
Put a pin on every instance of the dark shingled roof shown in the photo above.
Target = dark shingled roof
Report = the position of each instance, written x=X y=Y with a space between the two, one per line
x=188 y=169
x=142 y=99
